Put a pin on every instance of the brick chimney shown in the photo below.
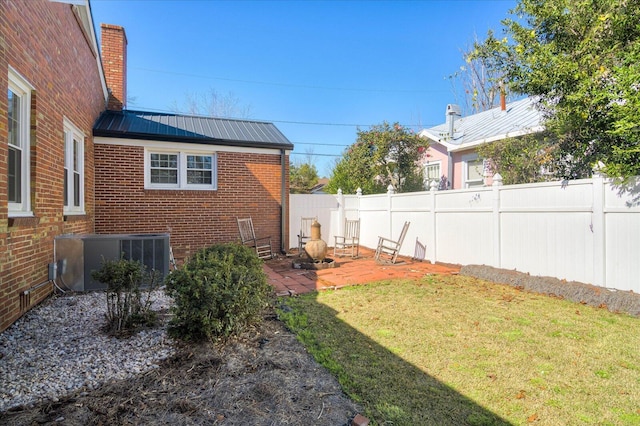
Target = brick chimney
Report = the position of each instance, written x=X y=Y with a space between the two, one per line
x=114 y=61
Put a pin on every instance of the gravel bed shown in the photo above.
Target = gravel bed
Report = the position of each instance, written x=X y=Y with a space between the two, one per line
x=58 y=348
x=611 y=299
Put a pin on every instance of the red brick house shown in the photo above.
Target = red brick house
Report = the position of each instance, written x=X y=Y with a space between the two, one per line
x=73 y=160
x=187 y=176
x=53 y=90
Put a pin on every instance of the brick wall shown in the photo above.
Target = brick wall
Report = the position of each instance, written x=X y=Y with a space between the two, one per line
x=44 y=42
x=248 y=185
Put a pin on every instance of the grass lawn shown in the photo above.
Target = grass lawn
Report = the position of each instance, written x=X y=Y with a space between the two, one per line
x=454 y=350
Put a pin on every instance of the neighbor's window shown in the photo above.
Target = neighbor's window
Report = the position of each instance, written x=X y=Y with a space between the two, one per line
x=473 y=172
x=73 y=169
x=432 y=173
x=180 y=170
x=18 y=169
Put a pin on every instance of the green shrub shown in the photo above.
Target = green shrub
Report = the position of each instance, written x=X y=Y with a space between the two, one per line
x=128 y=306
x=217 y=293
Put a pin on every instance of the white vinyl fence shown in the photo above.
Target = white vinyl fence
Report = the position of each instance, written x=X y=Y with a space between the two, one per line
x=584 y=230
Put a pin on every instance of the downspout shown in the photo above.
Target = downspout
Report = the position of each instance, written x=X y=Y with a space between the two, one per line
x=450 y=169
x=283 y=200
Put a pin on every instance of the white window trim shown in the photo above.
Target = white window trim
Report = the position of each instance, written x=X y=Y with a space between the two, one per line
x=72 y=132
x=147 y=170
x=182 y=170
x=468 y=183
x=19 y=86
x=433 y=163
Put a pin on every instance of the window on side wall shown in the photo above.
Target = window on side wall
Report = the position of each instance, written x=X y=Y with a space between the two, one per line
x=180 y=170
x=432 y=173
x=18 y=159
x=473 y=172
x=73 y=169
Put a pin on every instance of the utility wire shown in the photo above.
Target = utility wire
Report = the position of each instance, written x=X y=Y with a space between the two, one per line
x=315 y=154
x=299 y=86
x=305 y=123
x=322 y=144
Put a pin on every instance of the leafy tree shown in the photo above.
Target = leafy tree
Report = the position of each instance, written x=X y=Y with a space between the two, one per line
x=381 y=156
x=582 y=59
x=520 y=160
x=302 y=177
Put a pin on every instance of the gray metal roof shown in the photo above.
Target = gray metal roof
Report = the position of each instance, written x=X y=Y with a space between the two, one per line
x=520 y=118
x=190 y=129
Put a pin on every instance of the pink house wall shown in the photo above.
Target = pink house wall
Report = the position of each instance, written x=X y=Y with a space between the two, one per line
x=437 y=152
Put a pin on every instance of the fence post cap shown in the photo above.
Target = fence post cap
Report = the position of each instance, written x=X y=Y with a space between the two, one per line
x=359 y=191
x=497 y=180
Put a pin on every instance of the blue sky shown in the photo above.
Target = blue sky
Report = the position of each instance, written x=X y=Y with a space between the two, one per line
x=316 y=69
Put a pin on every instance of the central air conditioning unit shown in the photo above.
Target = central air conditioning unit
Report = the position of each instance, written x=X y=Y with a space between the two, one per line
x=77 y=255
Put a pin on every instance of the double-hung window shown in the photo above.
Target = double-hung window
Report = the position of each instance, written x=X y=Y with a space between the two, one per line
x=164 y=169
x=199 y=169
x=473 y=171
x=180 y=170
x=432 y=173
x=18 y=170
x=73 y=169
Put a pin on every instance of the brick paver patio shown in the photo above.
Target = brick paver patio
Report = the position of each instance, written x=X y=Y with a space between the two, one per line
x=288 y=280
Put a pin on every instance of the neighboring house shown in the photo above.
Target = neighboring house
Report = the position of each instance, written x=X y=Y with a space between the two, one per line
x=318 y=188
x=75 y=162
x=452 y=151
x=53 y=90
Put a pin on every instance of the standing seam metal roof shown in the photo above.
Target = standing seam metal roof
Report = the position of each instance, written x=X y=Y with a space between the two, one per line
x=520 y=117
x=190 y=129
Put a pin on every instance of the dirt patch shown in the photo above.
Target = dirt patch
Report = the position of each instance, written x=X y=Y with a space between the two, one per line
x=614 y=300
x=263 y=377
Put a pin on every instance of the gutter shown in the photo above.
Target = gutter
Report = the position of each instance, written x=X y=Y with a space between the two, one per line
x=188 y=139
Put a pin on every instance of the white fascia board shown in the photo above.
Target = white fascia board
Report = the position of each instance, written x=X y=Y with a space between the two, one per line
x=435 y=139
x=426 y=134
x=181 y=146
x=94 y=42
